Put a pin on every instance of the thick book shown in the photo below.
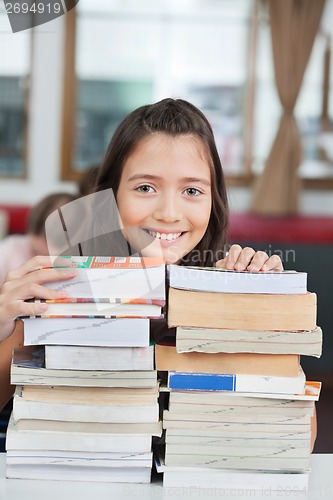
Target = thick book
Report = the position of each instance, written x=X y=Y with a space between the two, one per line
x=59 y=472
x=99 y=358
x=79 y=412
x=168 y=359
x=87 y=331
x=214 y=279
x=94 y=428
x=115 y=278
x=196 y=381
x=242 y=311
x=75 y=458
x=78 y=440
x=90 y=395
x=241 y=423
x=288 y=458
x=235 y=403
x=28 y=367
x=237 y=483
x=212 y=340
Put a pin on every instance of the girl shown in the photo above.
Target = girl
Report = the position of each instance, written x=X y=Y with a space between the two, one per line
x=165 y=172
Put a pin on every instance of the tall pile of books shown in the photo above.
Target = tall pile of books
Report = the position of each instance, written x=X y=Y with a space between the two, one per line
x=240 y=408
x=86 y=403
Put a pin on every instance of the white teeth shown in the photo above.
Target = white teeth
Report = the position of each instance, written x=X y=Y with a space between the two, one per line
x=164 y=236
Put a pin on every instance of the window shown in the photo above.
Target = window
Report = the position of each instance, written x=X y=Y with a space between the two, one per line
x=14 y=74
x=148 y=50
x=215 y=53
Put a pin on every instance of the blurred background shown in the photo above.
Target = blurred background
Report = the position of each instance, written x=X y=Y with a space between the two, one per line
x=261 y=70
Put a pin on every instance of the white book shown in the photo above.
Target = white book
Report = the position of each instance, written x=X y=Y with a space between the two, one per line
x=182 y=381
x=99 y=358
x=74 y=440
x=28 y=368
x=118 y=332
x=236 y=482
x=115 y=278
x=83 y=459
x=213 y=279
x=100 y=310
x=108 y=413
x=55 y=472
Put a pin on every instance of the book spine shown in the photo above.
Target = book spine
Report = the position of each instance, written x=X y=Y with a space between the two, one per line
x=238 y=383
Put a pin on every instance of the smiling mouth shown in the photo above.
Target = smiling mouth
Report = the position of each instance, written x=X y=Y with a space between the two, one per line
x=164 y=236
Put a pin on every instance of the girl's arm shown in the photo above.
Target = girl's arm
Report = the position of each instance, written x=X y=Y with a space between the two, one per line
x=241 y=259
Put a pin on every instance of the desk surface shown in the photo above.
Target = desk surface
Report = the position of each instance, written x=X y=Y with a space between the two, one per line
x=320 y=488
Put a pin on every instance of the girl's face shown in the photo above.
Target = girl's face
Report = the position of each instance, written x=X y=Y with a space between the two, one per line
x=164 y=196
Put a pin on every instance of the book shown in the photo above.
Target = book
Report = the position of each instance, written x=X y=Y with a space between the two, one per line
x=28 y=367
x=78 y=412
x=237 y=382
x=115 y=278
x=31 y=425
x=288 y=458
x=308 y=343
x=262 y=423
x=92 y=395
x=58 y=472
x=85 y=459
x=168 y=359
x=242 y=311
x=214 y=279
x=232 y=482
x=63 y=308
x=226 y=402
x=99 y=358
x=119 y=332
x=90 y=438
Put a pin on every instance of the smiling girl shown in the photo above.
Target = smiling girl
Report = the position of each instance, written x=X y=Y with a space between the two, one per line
x=165 y=172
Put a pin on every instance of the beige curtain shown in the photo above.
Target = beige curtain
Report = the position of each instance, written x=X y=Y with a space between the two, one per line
x=294 y=24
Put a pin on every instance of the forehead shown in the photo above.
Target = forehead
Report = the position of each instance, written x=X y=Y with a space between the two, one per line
x=165 y=151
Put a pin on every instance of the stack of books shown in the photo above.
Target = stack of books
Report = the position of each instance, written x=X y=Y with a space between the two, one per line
x=239 y=405
x=86 y=402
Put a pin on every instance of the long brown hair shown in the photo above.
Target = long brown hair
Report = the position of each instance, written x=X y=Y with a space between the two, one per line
x=172 y=117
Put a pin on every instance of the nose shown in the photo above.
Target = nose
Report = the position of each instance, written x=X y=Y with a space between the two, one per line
x=168 y=208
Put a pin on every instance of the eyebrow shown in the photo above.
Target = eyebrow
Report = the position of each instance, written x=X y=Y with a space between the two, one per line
x=156 y=178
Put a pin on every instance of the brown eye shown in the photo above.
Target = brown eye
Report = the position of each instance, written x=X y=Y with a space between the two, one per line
x=145 y=188
x=192 y=191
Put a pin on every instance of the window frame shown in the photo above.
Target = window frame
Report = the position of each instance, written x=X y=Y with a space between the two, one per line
x=247 y=178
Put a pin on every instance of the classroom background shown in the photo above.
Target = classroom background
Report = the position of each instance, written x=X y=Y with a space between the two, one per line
x=262 y=72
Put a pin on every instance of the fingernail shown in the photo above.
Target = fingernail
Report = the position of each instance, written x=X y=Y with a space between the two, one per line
x=60 y=294
x=69 y=271
x=42 y=307
x=230 y=265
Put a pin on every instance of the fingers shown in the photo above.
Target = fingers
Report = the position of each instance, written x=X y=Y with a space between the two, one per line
x=38 y=276
x=36 y=263
x=247 y=259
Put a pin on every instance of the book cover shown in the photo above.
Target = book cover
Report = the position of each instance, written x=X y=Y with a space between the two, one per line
x=241 y=311
x=237 y=382
x=211 y=340
x=214 y=279
x=167 y=359
x=28 y=367
x=118 y=332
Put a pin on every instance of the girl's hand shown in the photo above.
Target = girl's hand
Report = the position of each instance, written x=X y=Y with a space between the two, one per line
x=26 y=282
x=247 y=259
